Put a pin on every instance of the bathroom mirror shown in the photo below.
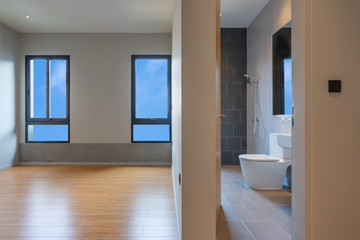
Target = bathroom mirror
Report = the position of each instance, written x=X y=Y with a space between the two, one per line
x=282 y=71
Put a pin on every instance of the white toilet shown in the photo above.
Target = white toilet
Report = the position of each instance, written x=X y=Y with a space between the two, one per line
x=268 y=172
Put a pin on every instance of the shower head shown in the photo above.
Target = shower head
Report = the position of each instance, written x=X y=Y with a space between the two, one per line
x=250 y=79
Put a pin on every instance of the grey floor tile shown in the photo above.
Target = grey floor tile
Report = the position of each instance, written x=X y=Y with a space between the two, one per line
x=266 y=230
x=285 y=209
x=225 y=189
x=238 y=186
x=233 y=230
x=235 y=213
x=267 y=212
x=286 y=226
x=264 y=214
x=266 y=199
x=237 y=199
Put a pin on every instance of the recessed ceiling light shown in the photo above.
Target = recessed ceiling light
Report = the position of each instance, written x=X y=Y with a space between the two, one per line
x=27 y=16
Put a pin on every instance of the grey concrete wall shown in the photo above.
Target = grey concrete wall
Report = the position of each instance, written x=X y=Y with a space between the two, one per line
x=100 y=79
x=151 y=153
x=100 y=97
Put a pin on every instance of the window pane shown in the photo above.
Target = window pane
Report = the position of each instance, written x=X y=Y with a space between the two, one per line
x=151 y=88
x=288 y=86
x=58 y=89
x=47 y=133
x=38 y=88
x=151 y=133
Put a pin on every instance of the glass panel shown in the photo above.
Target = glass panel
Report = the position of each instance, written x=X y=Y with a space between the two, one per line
x=151 y=88
x=58 y=89
x=38 y=88
x=288 y=86
x=48 y=133
x=151 y=133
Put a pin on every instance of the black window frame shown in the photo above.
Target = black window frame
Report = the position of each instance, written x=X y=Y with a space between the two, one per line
x=149 y=121
x=47 y=120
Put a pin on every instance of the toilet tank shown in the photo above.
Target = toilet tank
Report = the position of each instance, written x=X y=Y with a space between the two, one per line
x=276 y=150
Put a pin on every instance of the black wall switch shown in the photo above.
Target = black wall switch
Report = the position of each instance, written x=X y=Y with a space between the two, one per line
x=334 y=85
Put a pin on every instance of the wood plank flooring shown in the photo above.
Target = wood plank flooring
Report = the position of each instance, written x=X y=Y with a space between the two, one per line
x=87 y=202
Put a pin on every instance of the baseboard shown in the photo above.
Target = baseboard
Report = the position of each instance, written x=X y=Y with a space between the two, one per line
x=99 y=163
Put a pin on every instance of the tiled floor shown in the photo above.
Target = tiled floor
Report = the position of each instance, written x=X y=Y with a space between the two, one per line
x=252 y=215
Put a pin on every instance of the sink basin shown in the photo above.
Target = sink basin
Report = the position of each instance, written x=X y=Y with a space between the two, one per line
x=284 y=140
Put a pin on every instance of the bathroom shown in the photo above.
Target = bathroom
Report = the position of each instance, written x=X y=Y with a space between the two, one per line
x=256 y=109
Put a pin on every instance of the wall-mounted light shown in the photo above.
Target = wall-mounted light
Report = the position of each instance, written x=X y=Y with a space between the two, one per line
x=220 y=14
x=27 y=16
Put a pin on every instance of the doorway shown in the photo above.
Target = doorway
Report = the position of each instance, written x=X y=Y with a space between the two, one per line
x=247 y=102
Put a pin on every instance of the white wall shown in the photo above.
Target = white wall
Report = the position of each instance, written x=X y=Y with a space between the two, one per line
x=176 y=110
x=199 y=117
x=335 y=119
x=325 y=192
x=196 y=55
x=9 y=40
x=259 y=61
x=100 y=79
x=301 y=167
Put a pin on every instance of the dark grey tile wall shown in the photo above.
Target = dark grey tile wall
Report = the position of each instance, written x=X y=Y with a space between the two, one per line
x=233 y=94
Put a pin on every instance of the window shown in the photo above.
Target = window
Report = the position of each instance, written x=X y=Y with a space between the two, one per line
x=288 y=85
x=47 y=99
x=151 y=98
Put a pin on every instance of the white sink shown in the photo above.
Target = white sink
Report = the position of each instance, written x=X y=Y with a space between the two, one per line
x=284 y=140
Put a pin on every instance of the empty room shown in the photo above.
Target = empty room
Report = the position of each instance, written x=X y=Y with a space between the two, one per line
x=179 y=119
x=86 y=98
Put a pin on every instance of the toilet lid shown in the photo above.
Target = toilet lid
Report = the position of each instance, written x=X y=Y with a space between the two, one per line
x=258 y=158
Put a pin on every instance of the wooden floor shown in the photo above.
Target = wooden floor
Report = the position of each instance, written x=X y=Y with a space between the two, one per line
x=248 y=214
x=87 y=202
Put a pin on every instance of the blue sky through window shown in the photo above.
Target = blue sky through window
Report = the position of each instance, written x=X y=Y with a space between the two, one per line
x=42 y=133
x=151 y=88
x=57 y=99
x=288 y=86
x=151 y=132
x=151 y=99
x=38 y=89
x=58 y=88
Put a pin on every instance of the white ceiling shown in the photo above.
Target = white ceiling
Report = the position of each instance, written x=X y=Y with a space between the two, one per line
x=240 y=13
x=140 y=16
x=109 y=16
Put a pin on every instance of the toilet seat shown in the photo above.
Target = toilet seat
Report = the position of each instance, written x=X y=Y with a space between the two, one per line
x=259 y=158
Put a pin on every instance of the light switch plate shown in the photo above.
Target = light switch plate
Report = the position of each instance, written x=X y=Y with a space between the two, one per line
x=334 y=86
